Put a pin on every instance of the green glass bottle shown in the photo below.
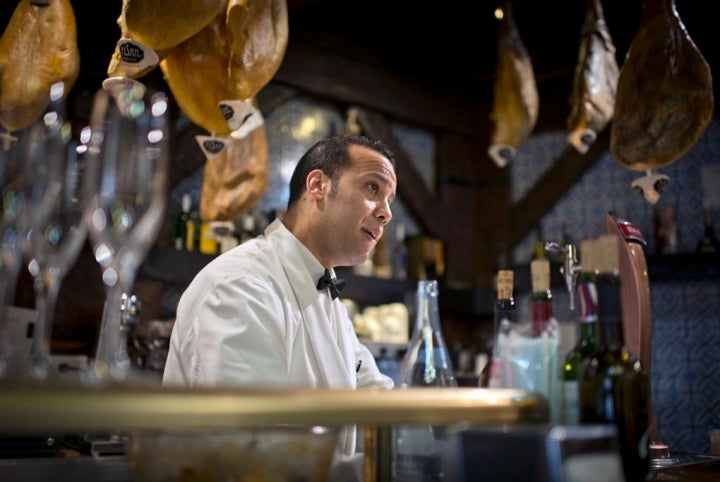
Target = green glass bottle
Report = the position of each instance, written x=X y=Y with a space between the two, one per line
x=613 y=388
x=585 y=345
x=181 y=223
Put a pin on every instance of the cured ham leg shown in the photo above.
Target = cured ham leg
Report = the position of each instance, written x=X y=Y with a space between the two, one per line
x=154 y=26
x=161 y=24
x=235 y=178
x=197 y=73
x=664 y=98
x=258 y=36
x=595 y=81
x=37 y=49
x=515 y=95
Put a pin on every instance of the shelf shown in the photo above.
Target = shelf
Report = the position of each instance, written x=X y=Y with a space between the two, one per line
x=180 y=267
x=684 y=267
x=166 y=264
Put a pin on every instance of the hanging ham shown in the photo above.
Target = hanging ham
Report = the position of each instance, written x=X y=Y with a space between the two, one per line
x=515 y=95
x=257 y=35
x=236 y=178
x=197 y=73
x=595 y=82
x=161 y=24
x=664 y=98
x=38 y=49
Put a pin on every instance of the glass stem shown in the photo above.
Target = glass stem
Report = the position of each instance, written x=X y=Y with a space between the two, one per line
x=111 y=358
x=47 y=287
x=8 y=280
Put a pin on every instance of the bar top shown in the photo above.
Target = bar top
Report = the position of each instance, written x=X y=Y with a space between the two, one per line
x=32 y=408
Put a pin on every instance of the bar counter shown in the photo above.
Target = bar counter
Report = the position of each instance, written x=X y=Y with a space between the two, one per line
x=46 y=410
x=28 y=408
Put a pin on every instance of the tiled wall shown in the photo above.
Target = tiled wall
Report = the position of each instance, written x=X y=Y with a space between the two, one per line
x=685 y=314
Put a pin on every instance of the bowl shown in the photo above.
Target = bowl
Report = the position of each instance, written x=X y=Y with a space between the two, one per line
x=276 y=453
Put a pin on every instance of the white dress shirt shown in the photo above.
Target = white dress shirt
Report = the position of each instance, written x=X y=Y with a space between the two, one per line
x=254 y=317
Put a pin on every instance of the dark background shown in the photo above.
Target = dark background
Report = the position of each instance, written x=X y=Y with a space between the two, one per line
x=448 y=45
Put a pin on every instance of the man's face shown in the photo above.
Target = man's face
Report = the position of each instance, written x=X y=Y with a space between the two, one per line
x=357 y=208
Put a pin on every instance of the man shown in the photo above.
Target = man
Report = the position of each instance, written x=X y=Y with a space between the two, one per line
x=257 y=315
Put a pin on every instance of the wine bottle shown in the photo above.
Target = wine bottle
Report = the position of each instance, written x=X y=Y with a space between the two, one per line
x=420 y=449
x=400 y=254
x=505 y=303
x=192 y=239
x=181 y=223
x=541 y=303
x=709 y=242
x=585 y=345
x=613 y=388
x=505 y=317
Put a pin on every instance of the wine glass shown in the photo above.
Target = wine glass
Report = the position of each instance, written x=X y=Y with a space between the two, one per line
x=11 y=237
x=54 y=223
x=127 y=167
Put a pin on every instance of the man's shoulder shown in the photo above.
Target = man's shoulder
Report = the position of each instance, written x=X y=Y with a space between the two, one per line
x=255 y=256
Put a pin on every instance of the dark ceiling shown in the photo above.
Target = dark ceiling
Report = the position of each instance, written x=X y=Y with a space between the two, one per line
x=452 y=44
x=449 y=45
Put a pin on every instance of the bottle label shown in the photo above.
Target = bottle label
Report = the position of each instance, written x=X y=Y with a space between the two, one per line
x=432 y=370
x=190 y=241
x=208 y=242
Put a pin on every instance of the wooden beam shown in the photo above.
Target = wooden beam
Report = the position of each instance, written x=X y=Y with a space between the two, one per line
x=419 y=200
x=552 y=186
x=330 y=76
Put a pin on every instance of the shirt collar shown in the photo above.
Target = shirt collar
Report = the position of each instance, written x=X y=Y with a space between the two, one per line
x=302 y=268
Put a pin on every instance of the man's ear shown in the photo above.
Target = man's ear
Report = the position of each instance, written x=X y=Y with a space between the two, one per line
x=317 y=184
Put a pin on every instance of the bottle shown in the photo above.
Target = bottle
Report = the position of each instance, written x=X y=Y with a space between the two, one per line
x=427 y=359
x=181 y=223
x=541 y=303
x=248 y=228
x=613 y=388
x=585 y=345
x=505 y=317
x=709 y=242
x=419 y=449
x=400 y=253
x=192 y=239
x=207 y=242
x=504 y=310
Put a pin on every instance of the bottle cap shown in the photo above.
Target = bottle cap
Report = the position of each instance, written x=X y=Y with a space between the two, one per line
x=588 y=262
x=608 y=254
x=540 y=274
x=186 y=202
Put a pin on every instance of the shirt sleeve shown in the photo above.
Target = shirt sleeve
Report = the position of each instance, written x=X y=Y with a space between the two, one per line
x=240 y=337
x=368 y=373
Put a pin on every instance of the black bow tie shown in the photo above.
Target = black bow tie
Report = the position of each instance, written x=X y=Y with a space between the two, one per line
x=335 y=285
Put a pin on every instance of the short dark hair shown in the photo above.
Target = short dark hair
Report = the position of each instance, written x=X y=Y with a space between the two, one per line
x=331 y=155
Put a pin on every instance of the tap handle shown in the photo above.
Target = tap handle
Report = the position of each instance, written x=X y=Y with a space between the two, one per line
x=569 y=268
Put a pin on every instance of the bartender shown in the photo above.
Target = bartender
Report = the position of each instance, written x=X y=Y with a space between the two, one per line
x=267 y=313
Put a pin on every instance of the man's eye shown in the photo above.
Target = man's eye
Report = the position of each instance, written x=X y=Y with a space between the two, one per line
x=374 y=188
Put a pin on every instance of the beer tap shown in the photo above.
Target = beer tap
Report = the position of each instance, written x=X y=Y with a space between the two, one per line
x=570 y=267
